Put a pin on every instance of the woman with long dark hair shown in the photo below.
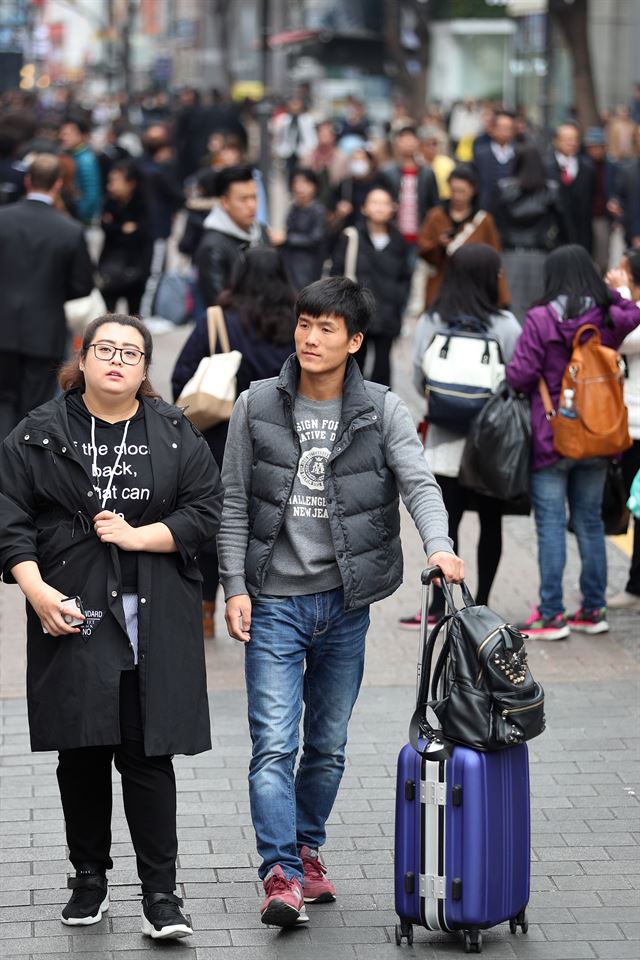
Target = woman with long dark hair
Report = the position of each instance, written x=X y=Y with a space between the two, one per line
x=574 y=294
x=470 y=289
x=125 y=261
x=259 y=316
x=106 y=495
x=531 y=223
x=453 y=224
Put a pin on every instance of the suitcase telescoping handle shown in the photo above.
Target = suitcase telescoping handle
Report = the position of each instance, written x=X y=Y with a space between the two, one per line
x=422 y=736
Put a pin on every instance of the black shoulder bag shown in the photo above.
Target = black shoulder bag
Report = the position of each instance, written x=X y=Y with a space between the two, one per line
x=482 y=691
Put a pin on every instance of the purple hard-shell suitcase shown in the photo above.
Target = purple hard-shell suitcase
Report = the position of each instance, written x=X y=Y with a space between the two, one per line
x=462 y=840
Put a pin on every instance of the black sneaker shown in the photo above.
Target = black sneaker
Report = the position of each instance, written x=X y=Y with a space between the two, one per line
x=161 y=917
x=89 y=900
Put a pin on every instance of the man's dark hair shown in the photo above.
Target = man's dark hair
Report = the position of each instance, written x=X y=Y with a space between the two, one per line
x=44 y=171
x=81 y=123
x=338 y=297
x=407 y=128
x=307 y=174
x=225 y=178
x=503 y=113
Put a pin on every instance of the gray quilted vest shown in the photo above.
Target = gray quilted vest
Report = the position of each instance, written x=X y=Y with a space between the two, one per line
x=361 y=491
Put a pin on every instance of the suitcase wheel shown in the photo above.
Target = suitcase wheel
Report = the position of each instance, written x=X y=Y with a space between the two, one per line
x=404 y=929
x=519 y=921
x=472 y=941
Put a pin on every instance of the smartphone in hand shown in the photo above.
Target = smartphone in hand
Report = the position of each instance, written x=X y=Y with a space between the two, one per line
x=71 y=607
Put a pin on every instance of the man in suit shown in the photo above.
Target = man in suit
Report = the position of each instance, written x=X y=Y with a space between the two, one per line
x=576 y=175
x=44 y=261
x=494 y=157
x=625 y=203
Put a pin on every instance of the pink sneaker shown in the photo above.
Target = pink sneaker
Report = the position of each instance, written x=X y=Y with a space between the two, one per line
x=284 y=904
x=553 y=628
x=317 y=888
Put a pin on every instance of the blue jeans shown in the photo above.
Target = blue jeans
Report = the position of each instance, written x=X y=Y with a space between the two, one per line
x=288 y=633
x=581 y=482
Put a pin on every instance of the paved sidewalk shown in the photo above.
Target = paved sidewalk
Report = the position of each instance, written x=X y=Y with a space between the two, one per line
x=585 y=784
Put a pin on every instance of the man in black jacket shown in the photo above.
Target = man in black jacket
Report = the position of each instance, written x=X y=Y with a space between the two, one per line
x=230 y=228
x=576 y=176
x=412 y=185
x=44 y=261
x=494 y=156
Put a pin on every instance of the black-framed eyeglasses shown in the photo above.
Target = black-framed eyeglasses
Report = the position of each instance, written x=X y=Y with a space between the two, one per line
x=128 y=355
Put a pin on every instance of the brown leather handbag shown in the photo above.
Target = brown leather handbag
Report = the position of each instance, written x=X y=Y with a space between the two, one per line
x=591 y=419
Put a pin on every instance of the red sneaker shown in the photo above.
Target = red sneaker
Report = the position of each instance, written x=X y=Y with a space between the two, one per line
x=284 y=904
x=414 y=621
x=317 y=888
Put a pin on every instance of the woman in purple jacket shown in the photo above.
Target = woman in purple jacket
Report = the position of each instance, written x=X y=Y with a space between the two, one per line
x=574 y=294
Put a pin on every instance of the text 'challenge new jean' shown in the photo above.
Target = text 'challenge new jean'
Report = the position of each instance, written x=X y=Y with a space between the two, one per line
x=286 y=634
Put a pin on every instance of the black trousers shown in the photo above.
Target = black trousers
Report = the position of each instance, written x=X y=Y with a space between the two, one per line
x=381 y=345
x=148 y=791
x=25 y=383
x=457 y=500
x=630 y=466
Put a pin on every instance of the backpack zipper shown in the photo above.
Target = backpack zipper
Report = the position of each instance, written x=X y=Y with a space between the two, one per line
x=531 y=706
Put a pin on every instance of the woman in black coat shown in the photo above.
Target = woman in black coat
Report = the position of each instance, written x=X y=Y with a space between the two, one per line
x=125 y=261
x=260 y=319
x=382 y=264
x=531 y=223
x=106 y=495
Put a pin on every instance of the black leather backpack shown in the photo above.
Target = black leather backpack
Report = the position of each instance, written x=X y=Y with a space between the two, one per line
x=482 y=691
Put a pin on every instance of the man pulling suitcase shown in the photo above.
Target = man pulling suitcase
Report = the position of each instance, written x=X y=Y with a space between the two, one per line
x=315 y=462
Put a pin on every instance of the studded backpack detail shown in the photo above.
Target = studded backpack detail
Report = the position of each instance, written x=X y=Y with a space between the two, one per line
x=482 y=691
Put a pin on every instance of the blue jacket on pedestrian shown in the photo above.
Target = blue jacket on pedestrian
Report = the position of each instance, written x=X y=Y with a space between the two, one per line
x=88 y=183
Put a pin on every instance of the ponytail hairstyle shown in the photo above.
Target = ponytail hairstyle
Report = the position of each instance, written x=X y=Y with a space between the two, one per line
x=71 y=376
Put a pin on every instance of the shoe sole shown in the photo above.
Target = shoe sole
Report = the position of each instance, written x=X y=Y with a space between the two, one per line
x=280 y=914
x=591 y=628
x=174 y=932
x=87 y=921
x=562 y=633
x=322 y=898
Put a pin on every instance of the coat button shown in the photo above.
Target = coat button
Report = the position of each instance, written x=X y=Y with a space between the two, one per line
x=114 y=593
x=175 y=446
x=175 y=423
x=89 y=493
x=142 y=656
x=143 y=599
x=64 y=449
x=26 y=436
x=45 y=441
x=374 y=417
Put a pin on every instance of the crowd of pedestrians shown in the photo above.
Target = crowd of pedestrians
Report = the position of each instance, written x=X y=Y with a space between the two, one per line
x=111 y=502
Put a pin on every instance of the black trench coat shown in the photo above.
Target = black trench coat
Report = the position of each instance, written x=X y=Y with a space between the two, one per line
x=47 y=503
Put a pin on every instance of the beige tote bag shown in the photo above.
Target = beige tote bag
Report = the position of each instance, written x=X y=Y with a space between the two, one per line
x=210 y=394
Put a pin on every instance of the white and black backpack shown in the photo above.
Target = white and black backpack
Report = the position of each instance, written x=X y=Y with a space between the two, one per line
x=462 y=367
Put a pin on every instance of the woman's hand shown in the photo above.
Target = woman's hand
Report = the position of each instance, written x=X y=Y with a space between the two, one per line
x=47 y=603
x=617 y=277
x=129 y=227
x=112 y=528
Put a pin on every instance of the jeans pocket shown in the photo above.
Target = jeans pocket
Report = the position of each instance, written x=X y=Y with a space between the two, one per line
x=268 y=599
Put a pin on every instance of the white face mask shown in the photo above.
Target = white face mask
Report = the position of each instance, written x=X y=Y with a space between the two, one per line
x=360 y=168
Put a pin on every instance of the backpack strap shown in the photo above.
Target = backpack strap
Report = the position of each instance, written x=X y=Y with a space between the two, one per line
x=217 y=330
x=583 y=329
x=549 y=410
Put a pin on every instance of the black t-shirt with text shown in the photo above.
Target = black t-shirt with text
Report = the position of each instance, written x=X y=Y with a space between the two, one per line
x=128 y=490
